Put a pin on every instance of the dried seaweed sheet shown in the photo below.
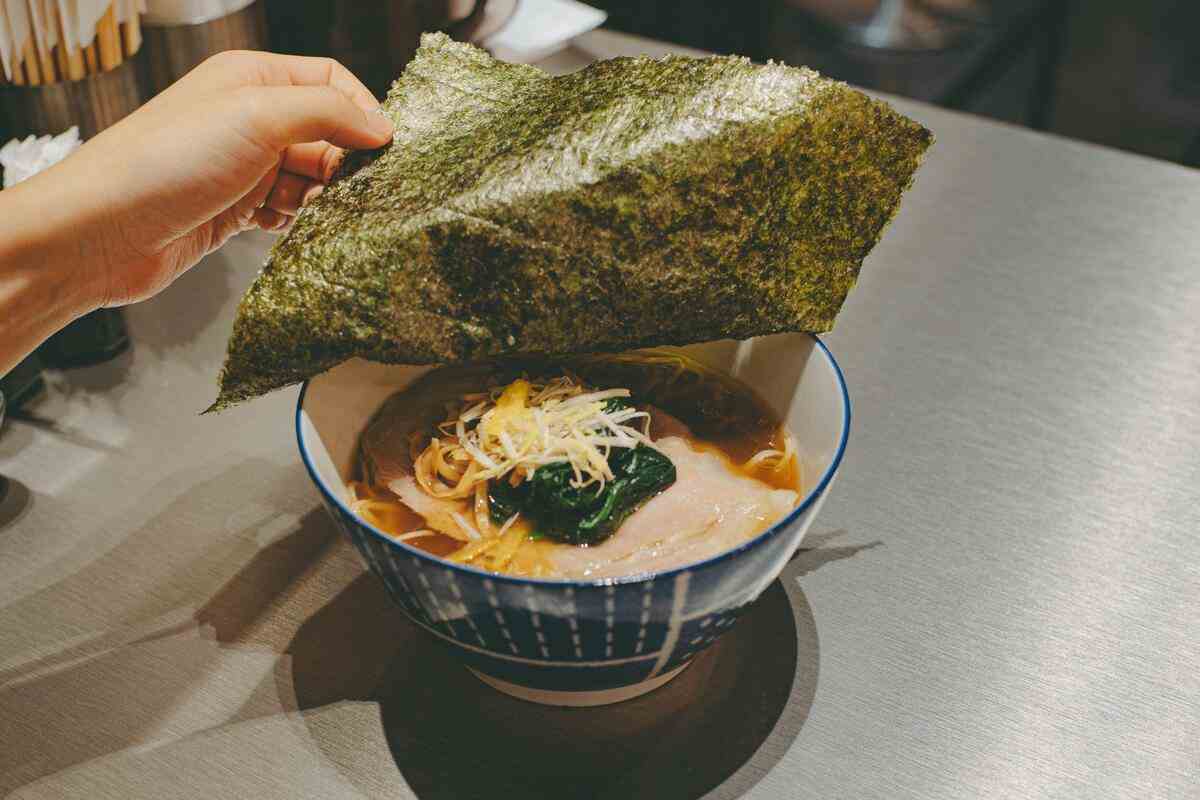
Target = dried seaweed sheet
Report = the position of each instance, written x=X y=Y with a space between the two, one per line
x=636 y=202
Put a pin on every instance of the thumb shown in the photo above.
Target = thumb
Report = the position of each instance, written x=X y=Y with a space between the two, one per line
x=280 y=116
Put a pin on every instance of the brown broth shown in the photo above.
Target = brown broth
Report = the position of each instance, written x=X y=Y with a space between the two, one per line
x=723 y=415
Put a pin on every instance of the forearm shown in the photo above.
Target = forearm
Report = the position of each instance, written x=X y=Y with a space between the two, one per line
x=238 y=143
x=47 y=255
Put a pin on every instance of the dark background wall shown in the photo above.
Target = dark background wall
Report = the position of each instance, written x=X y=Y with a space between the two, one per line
x=1124 y=73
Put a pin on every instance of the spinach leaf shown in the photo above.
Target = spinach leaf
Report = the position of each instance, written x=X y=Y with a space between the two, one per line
x=506 y=499
x=565 y=513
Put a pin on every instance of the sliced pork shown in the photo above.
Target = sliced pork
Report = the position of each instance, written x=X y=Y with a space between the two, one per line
x=710 y=508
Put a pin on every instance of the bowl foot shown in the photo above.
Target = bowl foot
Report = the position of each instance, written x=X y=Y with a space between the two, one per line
x=602 y=697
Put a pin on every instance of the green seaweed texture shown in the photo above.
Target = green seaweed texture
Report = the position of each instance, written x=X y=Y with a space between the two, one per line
x=637 y=202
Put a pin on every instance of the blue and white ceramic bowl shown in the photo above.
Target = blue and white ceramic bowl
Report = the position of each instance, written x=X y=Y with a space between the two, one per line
x=576 y=642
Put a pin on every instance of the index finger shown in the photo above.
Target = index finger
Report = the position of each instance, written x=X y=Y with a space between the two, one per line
x=277 y=117
x=281 y=70
x=233 y=69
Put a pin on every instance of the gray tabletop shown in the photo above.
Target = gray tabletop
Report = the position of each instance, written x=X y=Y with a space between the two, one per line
x=999 y=599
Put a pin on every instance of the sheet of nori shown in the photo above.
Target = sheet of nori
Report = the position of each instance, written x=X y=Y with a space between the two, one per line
x=636 y=202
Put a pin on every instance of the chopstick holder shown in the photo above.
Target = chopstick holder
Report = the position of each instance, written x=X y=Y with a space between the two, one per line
x=92 y=102
x=179 y=34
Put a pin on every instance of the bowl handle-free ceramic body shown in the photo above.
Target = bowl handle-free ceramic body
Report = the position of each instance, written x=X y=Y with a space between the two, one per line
x=581 y=643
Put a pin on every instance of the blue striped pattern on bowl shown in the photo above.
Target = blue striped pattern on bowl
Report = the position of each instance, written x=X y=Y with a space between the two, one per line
x=574 y=636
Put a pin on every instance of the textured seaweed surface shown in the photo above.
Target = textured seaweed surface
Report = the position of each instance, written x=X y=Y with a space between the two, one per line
x=633 y=203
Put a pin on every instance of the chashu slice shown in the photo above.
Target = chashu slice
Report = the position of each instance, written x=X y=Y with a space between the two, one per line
x=709 y=509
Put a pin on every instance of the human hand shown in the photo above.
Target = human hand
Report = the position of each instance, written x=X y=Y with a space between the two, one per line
x=240 y=142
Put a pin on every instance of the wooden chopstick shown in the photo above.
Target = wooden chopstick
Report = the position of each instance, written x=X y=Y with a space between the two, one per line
x=131 y=33
x=63 y=62
x=45 y=57
x=46 y=63
x=114 y=43
x=90 y=58
x=109 y=40
x=33 y=72
x=70 y=54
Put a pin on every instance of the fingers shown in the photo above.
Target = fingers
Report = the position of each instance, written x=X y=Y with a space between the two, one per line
x=278 y=117
x=271 y=220
x=259 y=195
x=312 y=193
x=306 y=168
x=315 y=160
x=235 y=68
x=280 y=70
x=288 y=194
x=304 y=171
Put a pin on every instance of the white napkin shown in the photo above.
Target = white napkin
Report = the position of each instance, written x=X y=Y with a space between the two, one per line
x=542 y=27
x=24 y=159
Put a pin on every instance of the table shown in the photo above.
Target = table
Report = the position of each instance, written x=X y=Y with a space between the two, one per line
x=998 y=600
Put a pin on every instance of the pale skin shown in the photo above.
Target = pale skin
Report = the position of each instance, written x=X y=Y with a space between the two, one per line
x=241 y=142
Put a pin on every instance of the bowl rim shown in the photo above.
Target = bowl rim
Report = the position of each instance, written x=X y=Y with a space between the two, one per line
x=640 y=577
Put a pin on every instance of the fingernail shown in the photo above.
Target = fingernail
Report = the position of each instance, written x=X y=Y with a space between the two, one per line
x=381 y=125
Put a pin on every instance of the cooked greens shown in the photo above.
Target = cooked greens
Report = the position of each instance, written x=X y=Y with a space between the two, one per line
x=633 y=203
x=576 y=515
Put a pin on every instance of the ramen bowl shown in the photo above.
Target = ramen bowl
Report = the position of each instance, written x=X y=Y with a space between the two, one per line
x=567 y=642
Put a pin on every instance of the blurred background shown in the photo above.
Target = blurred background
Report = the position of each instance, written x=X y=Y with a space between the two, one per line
x=1120 y=73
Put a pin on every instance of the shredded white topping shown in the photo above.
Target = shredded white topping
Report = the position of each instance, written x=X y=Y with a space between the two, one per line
x=511 y=431
x=404 y=537
x=508 y=524
x=467 y=527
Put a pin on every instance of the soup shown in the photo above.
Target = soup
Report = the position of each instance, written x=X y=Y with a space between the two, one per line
x=592 y=467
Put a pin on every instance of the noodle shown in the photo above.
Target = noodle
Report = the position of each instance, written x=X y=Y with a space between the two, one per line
x=508 y=432
x=778 y=460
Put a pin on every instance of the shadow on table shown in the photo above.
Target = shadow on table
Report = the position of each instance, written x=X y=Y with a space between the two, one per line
x=813 y=553
x=150 y=573
x=98 y=379
x=725 y=722
x=453 y=737
x=138 y=694
x=186 y=310
x=15 y=500
x=30 y=418
x=236 y=610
